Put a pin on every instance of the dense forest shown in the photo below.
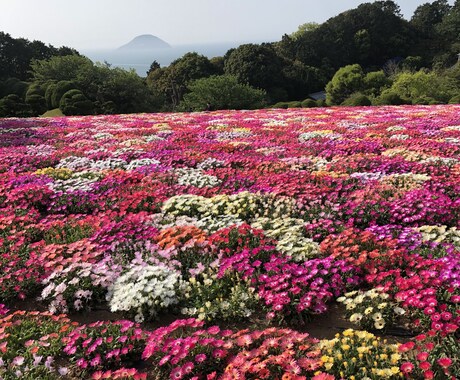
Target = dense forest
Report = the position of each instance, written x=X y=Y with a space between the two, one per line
x=364 y=56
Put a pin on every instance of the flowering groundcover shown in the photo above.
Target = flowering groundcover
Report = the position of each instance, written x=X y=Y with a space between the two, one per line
x=239 y=227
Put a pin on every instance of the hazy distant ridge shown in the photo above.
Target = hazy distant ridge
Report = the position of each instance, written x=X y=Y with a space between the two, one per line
x=144 y=42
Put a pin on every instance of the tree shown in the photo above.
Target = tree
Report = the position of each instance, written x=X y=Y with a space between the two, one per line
x=172 y=81
x=303 y=29
x=346 y=81
x=423 y=87
x=35 y=98
x=13 y=106
x=257 y=65
x=222 y=92
x=369 y=35
x=374 y=82
x=59 y=68
x=74 y=102
x=59 y=90
x=127 y=91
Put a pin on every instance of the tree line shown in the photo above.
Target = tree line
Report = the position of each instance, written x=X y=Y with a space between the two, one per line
x=366 y=55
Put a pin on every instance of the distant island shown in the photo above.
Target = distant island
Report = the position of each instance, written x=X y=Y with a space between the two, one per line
x=144 y=42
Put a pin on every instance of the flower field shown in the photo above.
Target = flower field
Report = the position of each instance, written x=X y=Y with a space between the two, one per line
x=213 y=239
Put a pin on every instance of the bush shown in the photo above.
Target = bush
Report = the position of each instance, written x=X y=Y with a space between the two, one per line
x=280 y=105
x=13 y=106
x=389 y=97
x=423 y=87
x=222 y=92
x=35 y=98
x=74 y=102
x=308 y=103
x=455 y=99
x=13 y=86
x=357 y=99
x=294 y=104
x=59 y=90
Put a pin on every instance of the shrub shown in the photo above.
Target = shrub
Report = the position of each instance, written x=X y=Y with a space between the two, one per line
x=357 y=99
x=455 y=99
x=389 y=97
x=281 y=105
x=294 y=104
x=308 y=103
x=222 y=92
x=74 y=102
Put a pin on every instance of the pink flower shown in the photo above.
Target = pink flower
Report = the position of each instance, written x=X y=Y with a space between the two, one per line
x=18 y=360
x=444 y=362
x=407 y=367
x=188 y=367
x=428 y=375
x=176 y=373
x=424 y=366
x=422 y=356
x=200 y=358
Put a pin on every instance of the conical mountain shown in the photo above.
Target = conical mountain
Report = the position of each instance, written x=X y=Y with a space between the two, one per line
x=144 y=42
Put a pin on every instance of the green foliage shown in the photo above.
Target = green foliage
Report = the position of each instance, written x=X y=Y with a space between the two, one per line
x=412 y=63
x=423 y=87
x=280 y=105
x=308 y=103
x=303 y=29
x=222 y=92
x=171 y=82
x=294 y=104
x=375 y=82
x=346 y=81
x=13 y=86
x=17 y=53
x=58 y=69
x=357 y=99
x=50 y=87
x=388 y=97
x=257 y=65
x=35 y=98
x=59 y=90
x=73 y=102
x=13 y=106
x=369 y=35
x=455 y=99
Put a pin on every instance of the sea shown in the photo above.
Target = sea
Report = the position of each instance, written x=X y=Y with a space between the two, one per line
x=140 y=61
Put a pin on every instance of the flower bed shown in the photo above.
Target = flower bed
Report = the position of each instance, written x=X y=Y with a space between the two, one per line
x=212 y=239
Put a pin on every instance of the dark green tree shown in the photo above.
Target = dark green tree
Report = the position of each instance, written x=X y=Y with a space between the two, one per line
x=172 y=81
x=13 y=106
x=35 y=98
x=257 y=65
x=74 y=102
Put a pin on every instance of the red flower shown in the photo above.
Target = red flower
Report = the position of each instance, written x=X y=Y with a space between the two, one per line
x=422 y=356
x=428 y=374
x=444 y=362
x=406 y=347
x=407 y=367
x=424 y=366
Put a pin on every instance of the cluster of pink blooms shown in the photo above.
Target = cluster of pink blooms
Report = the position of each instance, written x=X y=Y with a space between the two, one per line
x=373 y=193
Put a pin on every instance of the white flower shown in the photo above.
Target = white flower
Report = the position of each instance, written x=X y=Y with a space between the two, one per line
x=399 y=310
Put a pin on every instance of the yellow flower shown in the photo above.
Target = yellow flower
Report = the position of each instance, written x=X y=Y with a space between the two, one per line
x=345 y=347
x=328 y=366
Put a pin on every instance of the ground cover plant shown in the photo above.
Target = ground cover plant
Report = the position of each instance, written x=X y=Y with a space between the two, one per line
x=208 y=245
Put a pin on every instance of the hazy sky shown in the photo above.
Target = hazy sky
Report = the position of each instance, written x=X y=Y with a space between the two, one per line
x=86 y=24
